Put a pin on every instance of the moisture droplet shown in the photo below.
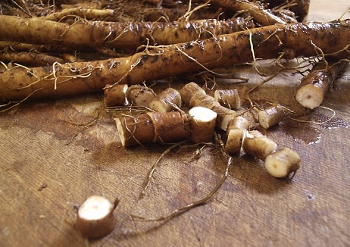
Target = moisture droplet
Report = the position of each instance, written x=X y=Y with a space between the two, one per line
x=309 y=196
x=330 y=123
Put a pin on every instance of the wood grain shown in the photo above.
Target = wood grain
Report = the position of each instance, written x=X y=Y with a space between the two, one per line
x=56 y=153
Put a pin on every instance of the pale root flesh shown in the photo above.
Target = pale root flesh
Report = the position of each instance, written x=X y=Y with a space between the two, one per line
x=258 y=145
x=310 y=96
x=95 y=217
x=202 y=124
x=140 y=95
x=282 y=163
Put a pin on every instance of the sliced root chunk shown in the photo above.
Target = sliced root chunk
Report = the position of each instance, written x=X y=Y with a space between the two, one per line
x=282 y=163
x=135 y=130
x=116 y=95
x=258 y=145
x=234 y=140
x=228 y=98
x=311 y=96
x=166 y=101
x=170 y=126
x=271 y=116
x=202 y=124
x=189 y=90
x=140 y=95
x=238 y=122
x=95 y=217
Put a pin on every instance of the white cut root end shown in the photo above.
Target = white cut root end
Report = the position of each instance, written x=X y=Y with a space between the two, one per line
x=258 y=145
x=282 y=163
x=202 y=124
x=270 y=116
x=95 y=217
x=310 y=96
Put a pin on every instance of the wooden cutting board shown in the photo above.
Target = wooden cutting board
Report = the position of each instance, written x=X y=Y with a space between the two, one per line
x=55 y=153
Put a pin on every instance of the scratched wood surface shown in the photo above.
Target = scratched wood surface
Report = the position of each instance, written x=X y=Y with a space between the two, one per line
x=56 y=153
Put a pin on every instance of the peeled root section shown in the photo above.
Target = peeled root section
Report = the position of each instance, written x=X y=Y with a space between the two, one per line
x=282 y=163
x=228 y=98
x=202 y=124
x=95 y=217
x=236 y=131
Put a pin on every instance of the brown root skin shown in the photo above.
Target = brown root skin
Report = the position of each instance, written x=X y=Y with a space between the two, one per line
x=234 y=141
x=30 y=58
x=18 y=83
x=170 y=127
x=115 y=96
x=135 y=130
x=238 y=122
x=95 y=217
x=118 y=35
x=263 y=16
x=258 y=145
x=313 y=88
x=228 y=98
x=202 y=124
x=89 y=14
x=189 y=90
x=167 y=100
x=271 y=116
x=282 y=163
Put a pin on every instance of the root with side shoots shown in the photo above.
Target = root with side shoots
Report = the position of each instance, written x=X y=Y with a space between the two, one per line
x=82 y=77
x=95 y=217
x=313 y=87
x=167 y=100
x=118 y=35
x=282 y=163
x=153 y=127
x=260 y=14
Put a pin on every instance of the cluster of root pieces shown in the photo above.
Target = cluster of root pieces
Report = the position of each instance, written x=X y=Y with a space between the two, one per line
x=166 y=122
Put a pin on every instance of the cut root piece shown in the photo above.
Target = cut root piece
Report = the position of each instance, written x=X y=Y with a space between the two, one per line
x=311 y=95
x=271 y=116
x=228 y=98
x=167 y=100
x=202 y=124
x=282 y=163
x=95 y=217
x=140 y=95
x=238 y=122
x=135 y=130
x=189 y=90
x=116 y=95
x=170 y=126
x=258 y=145
x=234 y=140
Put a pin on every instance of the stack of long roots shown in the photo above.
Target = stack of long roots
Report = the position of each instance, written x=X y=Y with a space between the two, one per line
x=68 y=47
